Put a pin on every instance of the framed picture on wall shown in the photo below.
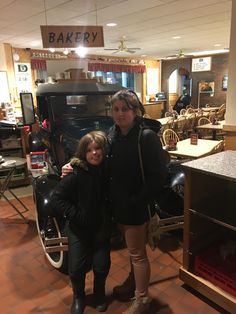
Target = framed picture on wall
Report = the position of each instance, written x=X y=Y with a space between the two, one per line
x=225 y=82
x=206 y=87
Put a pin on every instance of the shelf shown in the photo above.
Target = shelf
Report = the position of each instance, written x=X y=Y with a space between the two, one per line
x=212 y=292
x=209 y=214
x=215 y=220
x=12 y=148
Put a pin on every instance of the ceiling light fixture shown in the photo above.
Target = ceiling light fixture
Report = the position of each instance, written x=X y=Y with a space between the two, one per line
x=66 y=52
x=81 y=51
x=176 y=37
x=217 y=45
x=52 y=50
x=209 y=52
x=111 y=24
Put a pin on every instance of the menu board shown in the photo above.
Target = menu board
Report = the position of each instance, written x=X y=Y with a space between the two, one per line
x=201 y=64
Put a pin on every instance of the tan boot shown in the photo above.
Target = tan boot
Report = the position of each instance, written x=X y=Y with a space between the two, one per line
x=140 y=305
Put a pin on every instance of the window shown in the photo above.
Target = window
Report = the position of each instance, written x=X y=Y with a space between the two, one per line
x=123 y=78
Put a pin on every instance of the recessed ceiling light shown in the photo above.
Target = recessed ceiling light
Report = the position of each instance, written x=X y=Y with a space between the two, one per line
x=176 y=37
x=81 y=51
x=217 y=45
x=111 y=24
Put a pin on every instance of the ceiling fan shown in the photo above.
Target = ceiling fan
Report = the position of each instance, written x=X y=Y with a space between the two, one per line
x=180 y=54
x=122 y=48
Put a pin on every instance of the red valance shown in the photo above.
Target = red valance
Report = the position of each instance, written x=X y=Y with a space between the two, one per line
x=38 y=64
x=116 y=67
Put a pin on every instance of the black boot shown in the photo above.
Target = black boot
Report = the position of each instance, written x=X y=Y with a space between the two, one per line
x=99 y=294
x=78 y=305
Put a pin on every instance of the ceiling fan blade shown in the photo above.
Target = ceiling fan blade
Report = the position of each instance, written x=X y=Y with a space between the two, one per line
x=117 y=51
x=110 y=49
x=130 y=51
x=133 y=48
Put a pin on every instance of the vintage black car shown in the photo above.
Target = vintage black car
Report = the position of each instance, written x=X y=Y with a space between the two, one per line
x=67 y=111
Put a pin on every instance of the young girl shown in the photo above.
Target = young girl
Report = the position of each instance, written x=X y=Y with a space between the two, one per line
x=79 y=196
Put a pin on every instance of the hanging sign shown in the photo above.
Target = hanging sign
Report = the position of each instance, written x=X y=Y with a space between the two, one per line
x=201 y=64
x=23 y=77
x=54 y=36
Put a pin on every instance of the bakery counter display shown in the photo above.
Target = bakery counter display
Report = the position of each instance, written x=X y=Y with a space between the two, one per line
x=154 y=109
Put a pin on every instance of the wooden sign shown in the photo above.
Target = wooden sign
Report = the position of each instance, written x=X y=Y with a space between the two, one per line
x=54 y=36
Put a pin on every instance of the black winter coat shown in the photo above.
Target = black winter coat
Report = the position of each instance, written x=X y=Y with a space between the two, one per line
x=129 y=196
x=79 y=197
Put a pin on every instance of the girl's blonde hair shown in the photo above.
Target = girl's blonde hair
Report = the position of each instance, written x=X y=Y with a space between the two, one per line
x=98 y=137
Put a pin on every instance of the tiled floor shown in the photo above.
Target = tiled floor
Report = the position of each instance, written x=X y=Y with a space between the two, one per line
x=29 y=285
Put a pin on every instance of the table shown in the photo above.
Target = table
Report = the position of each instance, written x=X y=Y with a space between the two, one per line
x=9 y=171
x=208 y=109
x=213 y=127
x=186 y=149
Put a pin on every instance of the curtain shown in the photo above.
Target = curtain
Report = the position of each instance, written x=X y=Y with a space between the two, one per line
x=37 y=64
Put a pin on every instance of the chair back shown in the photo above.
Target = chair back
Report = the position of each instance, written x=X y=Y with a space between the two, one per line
x=182 y=112
x=169 y=135
x=203 y=120
x=190 y=110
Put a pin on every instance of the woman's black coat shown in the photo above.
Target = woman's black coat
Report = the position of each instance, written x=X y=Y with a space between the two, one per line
x=129 y=196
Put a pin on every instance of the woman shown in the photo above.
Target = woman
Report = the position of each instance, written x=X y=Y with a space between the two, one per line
x=79 y=196
x=129 y=196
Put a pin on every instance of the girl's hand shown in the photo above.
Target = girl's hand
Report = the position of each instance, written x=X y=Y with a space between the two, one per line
x=65 y=170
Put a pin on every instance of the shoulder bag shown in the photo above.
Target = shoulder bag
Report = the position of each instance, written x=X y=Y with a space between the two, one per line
x=153 y=225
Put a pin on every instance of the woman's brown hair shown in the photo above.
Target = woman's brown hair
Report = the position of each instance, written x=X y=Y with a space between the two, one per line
x=131 y=100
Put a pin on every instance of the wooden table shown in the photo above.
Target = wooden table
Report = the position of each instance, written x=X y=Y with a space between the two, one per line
x=213 y=127
x=163 y=121
x=186 y=149
x=208 y=109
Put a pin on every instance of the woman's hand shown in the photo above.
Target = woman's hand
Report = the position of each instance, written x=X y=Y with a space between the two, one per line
x=65 y=170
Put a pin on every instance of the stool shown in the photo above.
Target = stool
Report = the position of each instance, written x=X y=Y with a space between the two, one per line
x=9 y=169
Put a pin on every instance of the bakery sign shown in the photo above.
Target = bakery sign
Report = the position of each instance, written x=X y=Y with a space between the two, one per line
x=54 y=36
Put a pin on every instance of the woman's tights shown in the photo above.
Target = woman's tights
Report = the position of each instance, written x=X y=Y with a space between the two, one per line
x=135 y=238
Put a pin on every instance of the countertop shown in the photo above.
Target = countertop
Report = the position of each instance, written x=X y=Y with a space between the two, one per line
x=222 y=164
x=154 y=102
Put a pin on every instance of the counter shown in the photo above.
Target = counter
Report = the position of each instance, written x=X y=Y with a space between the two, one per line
x=155 y=109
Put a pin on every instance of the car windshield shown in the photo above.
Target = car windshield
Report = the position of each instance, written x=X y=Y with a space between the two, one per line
x=72 y=106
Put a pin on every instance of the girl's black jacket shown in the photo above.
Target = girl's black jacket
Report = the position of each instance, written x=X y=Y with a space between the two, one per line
x=79 y=197
x=128 y=194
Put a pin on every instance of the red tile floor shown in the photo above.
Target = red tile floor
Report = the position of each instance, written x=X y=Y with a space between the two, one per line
x=29 y=285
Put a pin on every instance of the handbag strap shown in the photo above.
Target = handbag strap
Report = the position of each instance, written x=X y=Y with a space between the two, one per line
x=141 y=165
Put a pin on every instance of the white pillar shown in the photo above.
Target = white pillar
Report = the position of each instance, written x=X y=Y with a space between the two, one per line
x=230 y=116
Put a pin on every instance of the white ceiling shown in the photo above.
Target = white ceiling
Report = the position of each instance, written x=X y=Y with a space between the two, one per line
x=148 y=24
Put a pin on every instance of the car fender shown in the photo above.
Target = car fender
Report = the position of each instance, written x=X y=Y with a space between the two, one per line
x=43 y=188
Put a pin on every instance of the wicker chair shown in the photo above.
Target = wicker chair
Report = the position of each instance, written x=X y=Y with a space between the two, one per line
x=168 y=135
x=179 y=126
x=182 y=112
x=205 y=134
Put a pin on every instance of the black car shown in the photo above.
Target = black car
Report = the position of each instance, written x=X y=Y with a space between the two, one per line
x=66 y=112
